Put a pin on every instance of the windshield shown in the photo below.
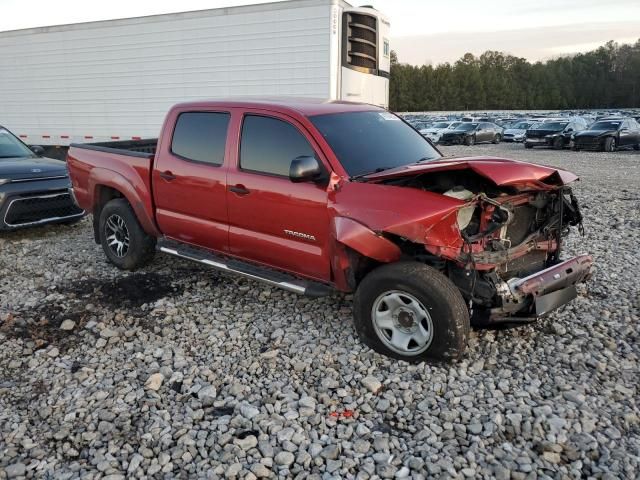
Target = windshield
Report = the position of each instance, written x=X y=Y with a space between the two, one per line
x=465 y=126
x=551 y=126
x=11 y=147
x=522 y=126
x=440 y=125
x=605 y=126
x=366 y=142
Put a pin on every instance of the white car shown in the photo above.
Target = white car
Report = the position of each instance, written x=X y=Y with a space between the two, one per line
x=517 y=132
x=435 y=131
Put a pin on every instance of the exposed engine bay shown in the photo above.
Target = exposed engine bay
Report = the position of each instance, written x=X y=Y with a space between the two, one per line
x=505 y=236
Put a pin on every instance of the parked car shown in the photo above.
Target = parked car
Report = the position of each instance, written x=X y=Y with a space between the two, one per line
x=320 y=196
x=435 y=131
x=517 y=132
x=33 y=190
x=470 y=133
x=556 y=134
x=609 y=135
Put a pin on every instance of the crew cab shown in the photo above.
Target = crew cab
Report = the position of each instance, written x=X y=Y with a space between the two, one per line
x=316 y=197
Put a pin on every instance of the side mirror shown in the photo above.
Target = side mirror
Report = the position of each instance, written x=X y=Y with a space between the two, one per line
x=305 y=169
x=569 y=130
x=37 y=149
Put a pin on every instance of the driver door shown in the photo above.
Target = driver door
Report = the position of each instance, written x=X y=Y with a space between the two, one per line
x=272 y=220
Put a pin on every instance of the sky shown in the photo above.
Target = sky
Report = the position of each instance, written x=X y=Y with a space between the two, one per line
x=422 y=31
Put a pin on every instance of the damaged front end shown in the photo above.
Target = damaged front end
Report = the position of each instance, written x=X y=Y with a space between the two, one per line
x=501 y=245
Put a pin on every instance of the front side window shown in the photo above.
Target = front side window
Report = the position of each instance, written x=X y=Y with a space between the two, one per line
x=11 y=147
x=373 y=141
x=269 y=145
x=201 y=137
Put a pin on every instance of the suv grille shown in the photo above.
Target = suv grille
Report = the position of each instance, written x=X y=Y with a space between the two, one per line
x=361 y=40
x=40 y=209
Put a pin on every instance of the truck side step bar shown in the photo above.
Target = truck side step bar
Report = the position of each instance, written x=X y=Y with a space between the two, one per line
x=255 y=272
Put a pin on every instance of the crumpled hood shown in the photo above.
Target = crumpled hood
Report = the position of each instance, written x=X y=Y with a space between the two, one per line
x=501 y=171
x=25 y=167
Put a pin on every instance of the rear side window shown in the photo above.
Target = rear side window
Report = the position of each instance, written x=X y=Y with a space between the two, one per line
x=201 y=136
x=269 y=145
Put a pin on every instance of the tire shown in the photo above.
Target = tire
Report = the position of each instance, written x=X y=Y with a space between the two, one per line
x=117 y=224
x=527 y=145
x=470 y=140
x=609 y=144
x=636 y=146
x=496 y=139
x=558 y=143
x=410 y=290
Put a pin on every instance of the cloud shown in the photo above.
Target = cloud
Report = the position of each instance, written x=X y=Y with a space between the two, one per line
x=532 y=43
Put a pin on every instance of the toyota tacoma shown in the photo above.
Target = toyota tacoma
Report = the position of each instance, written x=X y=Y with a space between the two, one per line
x=315 y=196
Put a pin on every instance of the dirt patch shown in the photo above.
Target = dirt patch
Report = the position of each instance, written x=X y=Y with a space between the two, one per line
x=128 y=292
x=42 y=326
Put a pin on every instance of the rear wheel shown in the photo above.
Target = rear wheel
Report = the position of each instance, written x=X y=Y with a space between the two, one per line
x=123 y=240
x=610 y=144
x=470 y=140
x=411 y=312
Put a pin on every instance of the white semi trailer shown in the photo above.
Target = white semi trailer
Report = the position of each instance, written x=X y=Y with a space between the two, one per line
x=116 y=79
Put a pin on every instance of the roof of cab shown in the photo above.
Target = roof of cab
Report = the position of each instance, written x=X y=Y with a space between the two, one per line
x=288 y=105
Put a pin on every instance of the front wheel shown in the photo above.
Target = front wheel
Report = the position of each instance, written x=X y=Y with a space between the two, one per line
x=558 y=143
x=610 y=144
x=497 y=139
x=527 y=145
x=123 y=240
x=636 y=146
x=470 y=140
x=410 y=311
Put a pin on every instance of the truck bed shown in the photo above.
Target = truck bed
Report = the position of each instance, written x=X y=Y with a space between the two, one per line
x=124 y=166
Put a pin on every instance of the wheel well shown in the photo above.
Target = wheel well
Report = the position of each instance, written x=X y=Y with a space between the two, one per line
x=103 y=196
x=362 y=265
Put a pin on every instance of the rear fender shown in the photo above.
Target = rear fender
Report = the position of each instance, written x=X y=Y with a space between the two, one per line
x=100 y=177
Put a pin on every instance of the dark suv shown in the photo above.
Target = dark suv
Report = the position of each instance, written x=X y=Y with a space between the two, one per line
x=556 y=134
x=33 y=190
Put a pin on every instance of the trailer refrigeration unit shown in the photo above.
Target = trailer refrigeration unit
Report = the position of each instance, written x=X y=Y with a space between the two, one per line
x=116 y=79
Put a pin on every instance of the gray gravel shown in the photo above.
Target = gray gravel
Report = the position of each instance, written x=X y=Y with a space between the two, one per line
x=176 y=371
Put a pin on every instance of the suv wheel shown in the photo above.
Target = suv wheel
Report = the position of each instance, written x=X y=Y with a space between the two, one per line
x=558 y=143
x=410 y=311
x=123 y=240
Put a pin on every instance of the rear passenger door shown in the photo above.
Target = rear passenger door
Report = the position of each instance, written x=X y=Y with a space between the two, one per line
x=271 y=219
x=189 y=179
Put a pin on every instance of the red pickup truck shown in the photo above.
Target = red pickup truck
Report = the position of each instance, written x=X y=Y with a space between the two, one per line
x=315 y=196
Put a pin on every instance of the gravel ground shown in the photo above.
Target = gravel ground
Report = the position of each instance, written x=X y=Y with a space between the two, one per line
x=176 y=371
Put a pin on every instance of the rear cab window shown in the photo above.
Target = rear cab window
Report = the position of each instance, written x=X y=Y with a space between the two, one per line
x=201 y=137
x=268 y=145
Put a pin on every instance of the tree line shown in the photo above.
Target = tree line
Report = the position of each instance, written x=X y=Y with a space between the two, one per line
x=608 y=77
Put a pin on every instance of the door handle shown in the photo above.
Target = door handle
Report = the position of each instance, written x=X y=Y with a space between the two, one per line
x=239 y=189
x=168 y=176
